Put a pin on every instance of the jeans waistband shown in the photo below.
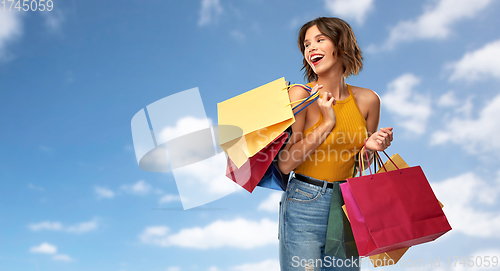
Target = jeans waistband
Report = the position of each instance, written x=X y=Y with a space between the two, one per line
x=312 y=181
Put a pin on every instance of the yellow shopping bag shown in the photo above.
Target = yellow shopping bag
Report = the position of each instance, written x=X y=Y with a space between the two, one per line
x=262 y=114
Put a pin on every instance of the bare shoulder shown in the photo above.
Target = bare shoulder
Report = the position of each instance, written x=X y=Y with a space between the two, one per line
x=366 y=96
x=297 y=93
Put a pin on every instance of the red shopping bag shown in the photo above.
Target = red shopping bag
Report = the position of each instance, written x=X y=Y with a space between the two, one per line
x=393 y=210
x=252 y=171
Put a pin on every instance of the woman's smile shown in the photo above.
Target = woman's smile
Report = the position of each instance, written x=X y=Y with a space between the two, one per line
x=316 y=58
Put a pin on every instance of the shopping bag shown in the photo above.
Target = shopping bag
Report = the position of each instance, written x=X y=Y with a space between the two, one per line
x=252 y=171
x=274 y=178
x=340 y=241
x=390 y=257
x=399 y=210
x=386 y=258
x=262 y=168
x=262 y=114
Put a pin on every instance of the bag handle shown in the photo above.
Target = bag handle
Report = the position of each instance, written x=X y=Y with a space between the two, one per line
x=314 y=97
x=367 y=159
x=392 y=163
x=364 y=146
x=361 y=162
x=379 y=161
x=361 y=168
x=317 y=96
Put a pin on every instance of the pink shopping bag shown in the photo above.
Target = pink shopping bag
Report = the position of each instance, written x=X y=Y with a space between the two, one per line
x=393 y=210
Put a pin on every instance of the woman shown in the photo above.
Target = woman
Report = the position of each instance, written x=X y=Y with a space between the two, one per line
x=327 y=135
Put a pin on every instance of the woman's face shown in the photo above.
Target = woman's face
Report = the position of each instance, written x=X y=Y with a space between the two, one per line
x=318 y=52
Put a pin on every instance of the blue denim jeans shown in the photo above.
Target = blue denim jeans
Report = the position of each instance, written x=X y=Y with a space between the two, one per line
x=303 y=220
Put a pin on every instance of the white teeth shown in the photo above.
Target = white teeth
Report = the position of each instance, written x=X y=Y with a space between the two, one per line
x=315 y=57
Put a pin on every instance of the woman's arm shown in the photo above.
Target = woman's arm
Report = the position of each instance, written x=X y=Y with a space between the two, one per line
x=299 y=148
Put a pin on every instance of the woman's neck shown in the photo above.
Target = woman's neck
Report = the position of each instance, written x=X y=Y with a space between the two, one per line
x=334 y=84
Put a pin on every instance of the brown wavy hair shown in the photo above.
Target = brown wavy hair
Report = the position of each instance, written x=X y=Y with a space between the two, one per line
x=346 y=48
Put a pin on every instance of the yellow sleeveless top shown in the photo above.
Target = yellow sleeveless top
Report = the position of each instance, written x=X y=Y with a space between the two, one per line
x=334 y=159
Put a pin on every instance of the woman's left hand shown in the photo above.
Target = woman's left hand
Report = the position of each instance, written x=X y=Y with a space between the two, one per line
x=380 y=140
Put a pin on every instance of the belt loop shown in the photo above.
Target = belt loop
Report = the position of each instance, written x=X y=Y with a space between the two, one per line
x=325 y=184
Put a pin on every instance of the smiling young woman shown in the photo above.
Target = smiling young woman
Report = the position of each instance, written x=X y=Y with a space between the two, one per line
x=327 y=135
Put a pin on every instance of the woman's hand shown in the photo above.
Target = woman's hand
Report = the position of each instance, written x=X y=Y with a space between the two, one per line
x=325 y=106
x=379 y=140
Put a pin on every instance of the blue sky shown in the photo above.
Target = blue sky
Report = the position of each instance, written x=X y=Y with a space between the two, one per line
x=72 y=196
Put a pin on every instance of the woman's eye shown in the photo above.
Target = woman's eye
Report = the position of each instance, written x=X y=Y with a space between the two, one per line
x=307 y=45
x=321 y=40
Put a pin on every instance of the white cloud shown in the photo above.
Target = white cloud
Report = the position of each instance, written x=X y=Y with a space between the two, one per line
x=174 y=268
x=448 y=99
x=184 y=126
x=477 y=65
x=169 y=198
x=271 y=203
x=103 y=193
x=267 y=265
x=476 y=135
x=213 y=268
x=466 y=108
x=461 y=195
x=237 y=233
x=57 y=226
x=435 y=22
x=139 y=188
x=204 y=182
x=10 y=30
x=83 y=227
x=208 y=173
x=53 y=20
x=44 y=248
x=410 y=109
x=62 y=258
x=46 y=225
x=350 y=9
x=210 y=11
